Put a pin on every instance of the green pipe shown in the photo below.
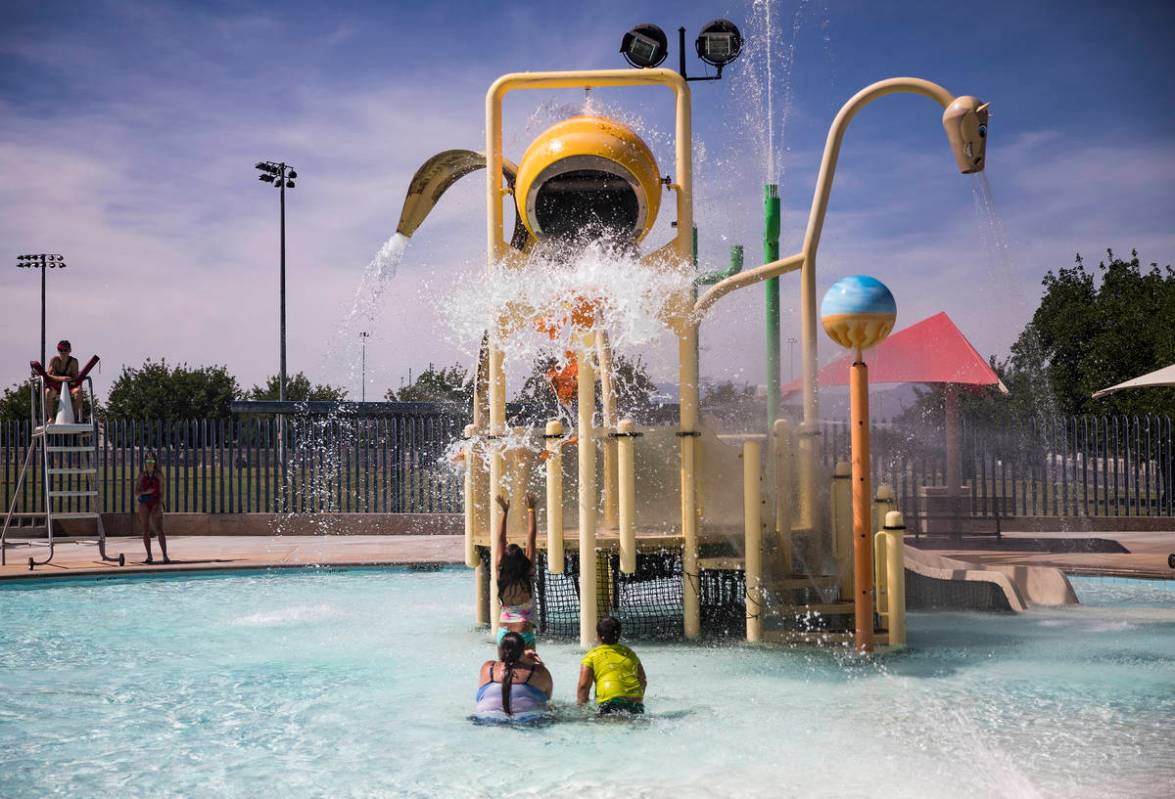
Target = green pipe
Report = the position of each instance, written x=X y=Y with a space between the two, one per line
x=771 y=287
x=736 y=266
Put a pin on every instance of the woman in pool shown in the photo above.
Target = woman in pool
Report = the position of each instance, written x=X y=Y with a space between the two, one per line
x=149 y=488
x=516 y=686
x=516 y=576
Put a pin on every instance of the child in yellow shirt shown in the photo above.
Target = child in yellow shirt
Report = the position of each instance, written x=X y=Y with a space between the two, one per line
x=616 y=672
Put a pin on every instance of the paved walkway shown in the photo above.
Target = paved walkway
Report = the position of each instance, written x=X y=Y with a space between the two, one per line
x=240 y=552
x=1147 y=556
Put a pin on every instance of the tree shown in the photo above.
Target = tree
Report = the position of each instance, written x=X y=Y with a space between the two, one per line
x=450 y=384
x=158 y=391
x=537 y=395
x=1086 y=334
x=14 y=402
x=636 y=393
x=298 y=389
x=733 y=406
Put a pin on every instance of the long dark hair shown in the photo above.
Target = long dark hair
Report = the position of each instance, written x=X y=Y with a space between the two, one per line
x=510 y=652
x=513 y=571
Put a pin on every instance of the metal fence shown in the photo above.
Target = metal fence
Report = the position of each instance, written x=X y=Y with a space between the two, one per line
x=394 y=463
x=1068 y=466
x=398 y=462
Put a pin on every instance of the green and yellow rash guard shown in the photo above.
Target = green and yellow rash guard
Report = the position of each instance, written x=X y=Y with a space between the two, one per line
x=615 y=668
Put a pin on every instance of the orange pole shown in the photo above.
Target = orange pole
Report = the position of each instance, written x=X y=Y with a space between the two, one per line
x=862 y=508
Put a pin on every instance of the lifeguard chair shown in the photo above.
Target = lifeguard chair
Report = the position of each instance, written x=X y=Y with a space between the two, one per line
x=63 y=458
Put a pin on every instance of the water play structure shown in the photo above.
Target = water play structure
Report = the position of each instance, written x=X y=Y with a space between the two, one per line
x=664 y=517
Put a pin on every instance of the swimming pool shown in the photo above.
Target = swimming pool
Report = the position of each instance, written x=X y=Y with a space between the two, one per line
x=358 y=684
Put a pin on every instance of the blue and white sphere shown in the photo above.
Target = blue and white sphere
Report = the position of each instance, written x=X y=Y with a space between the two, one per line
x=858 y=311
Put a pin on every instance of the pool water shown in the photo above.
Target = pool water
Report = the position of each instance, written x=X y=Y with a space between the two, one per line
x=359 y=683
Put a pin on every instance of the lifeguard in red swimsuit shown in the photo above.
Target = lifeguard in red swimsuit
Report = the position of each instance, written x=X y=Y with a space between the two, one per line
x=149 y=490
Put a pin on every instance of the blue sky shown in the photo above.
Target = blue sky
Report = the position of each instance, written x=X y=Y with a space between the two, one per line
x=128 y=132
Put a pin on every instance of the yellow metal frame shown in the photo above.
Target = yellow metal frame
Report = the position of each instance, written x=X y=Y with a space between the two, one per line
x=679 y=250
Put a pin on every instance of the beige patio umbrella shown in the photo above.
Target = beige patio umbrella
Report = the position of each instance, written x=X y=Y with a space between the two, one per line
x=1159 y=377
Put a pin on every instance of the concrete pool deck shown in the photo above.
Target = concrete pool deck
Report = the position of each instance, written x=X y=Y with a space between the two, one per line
x=220 y=552
x=1146 y=556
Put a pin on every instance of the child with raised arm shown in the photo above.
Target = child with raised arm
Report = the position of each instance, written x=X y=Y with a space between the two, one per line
x=516 y=577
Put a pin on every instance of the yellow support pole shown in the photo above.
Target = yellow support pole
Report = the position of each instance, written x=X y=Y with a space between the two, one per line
x=625 y=444
x=753 y=538
x=862 y=512
x=784 y=452
x=471 y=499
x=895 y=563
x=482 y=589
x=497 y=429
x=554 y=433
x=609 y=445
x=889 y=549
x=688 y=432
x=883 y=503
x=587 y=497
x=518 y=462
x=842 y=525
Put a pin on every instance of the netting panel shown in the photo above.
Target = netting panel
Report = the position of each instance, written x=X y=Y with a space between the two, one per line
x=647 y=602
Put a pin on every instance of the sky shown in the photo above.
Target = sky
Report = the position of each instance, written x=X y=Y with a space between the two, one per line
x=129 y=130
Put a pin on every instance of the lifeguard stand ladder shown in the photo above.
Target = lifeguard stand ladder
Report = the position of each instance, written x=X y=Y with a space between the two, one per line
x=67 y=457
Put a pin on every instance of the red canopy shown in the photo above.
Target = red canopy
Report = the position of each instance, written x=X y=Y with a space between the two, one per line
x=930 y=351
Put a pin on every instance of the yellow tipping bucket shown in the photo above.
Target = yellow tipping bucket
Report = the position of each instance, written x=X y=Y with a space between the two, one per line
x=588 y=174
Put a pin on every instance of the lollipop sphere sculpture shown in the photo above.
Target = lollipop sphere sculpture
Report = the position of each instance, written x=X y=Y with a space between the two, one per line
x=857 y=313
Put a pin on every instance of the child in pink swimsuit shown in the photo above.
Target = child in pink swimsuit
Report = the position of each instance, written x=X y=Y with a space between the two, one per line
x=516 y=577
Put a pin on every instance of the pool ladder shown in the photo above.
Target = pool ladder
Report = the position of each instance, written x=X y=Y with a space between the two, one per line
x=67 y=457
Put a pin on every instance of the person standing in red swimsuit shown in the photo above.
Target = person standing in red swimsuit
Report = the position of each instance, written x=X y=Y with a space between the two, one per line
x=149 y=488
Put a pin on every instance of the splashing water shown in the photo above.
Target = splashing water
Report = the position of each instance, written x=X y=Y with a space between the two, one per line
x=771 y=64
x=379 y=271
x=762 y=8
x=366 y=307
x=628 y=298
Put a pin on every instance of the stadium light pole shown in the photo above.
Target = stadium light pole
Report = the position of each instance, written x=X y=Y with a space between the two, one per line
x=281 y=175
x=44 y=262
x=364 y=335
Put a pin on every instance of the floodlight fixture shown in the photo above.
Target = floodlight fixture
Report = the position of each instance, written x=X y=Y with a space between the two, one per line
x=42 y=261
x=645 y=46
x=719 y=43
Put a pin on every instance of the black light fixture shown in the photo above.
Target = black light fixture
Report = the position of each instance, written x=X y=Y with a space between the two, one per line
x=645 y=46
x=719 y=43
x=42 y=261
